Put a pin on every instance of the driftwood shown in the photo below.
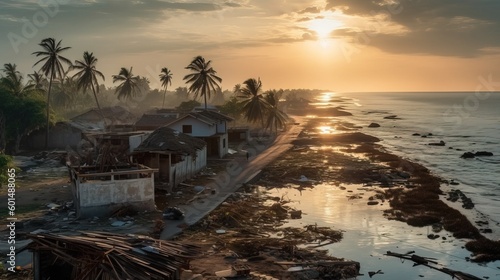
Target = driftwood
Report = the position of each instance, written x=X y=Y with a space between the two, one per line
x=100 y=255
x=418 y=260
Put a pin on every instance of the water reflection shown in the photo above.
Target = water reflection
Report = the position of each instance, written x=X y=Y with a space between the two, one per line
x=368 y=235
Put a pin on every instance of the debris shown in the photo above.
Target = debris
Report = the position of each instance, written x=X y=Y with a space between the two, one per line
x=118 y=224
x=100 y=255
x=429 y=262
x=220 y=231
x=173 y=213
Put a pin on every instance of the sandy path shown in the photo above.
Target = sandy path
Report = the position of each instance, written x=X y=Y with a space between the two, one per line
x=228 y=181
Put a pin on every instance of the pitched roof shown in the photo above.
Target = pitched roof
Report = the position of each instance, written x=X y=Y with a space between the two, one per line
x=206 y=116
x=114 y=113
x=167 y=139
x=154 y=120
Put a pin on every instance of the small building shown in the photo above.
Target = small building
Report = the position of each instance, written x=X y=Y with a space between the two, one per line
x=238 y=134
x=154 y=121
x=125 y=141
x=177 y=156
x=62 y=135
x=98 y=192
x=210 y=126
x=116 y=115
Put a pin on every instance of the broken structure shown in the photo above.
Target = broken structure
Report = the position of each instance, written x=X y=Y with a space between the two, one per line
x=99 y=192
x=177 y=156
x=100 y=255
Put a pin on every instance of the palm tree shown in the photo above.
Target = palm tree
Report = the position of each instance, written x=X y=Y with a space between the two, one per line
x=203 y=79
x=128 y=87
x=86 y=77
x=37 y=80
x=12 y=82
x=275 y=117
x=237 y=89
x=254 y=104
x=165 y=79
x=51 y=68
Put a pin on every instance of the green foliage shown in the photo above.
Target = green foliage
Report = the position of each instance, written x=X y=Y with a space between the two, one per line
x=5 y=163
x=233 y=108
x=188 y=105
x=21 y=115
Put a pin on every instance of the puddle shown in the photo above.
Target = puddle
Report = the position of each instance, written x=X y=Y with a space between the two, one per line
x=368 y=235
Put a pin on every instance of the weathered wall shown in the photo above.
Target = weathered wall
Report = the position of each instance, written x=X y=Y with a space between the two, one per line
x=200 y=129
x=187 y=168
x=99 y=198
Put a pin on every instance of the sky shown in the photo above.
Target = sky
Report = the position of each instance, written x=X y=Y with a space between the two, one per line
x=337 y=45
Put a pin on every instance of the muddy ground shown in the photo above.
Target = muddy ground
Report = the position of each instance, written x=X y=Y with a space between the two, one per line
x=246 y=228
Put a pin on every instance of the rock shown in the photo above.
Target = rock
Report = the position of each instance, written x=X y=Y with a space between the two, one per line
x=467 y=155
x=373 y=202
x=483 y=154
x=440 y=143
x=296 y=214
x=391 y=117
x=416 y=134
x=374 y=125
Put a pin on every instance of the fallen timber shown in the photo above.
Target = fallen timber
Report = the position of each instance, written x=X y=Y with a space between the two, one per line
x=429 y=262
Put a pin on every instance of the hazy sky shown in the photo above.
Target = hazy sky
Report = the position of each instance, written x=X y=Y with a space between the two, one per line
x=341 y=45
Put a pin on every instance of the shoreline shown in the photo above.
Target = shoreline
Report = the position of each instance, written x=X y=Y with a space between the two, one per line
x=361 y=146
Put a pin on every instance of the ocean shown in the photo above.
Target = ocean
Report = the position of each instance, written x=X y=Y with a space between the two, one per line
x=465 y=121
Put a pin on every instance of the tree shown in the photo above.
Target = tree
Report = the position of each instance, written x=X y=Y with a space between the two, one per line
x=254 y=104
x=182 y=93
x=166 y=80
x=12 y=81
x=37 y=80
x=19 y=115
x=233 y=108
x=86 y=77
x=6 y=163
x=187 y=106
x=51 y=68
x=275 y=117
x=237 y=89
x=128 y=87
x=203 y=79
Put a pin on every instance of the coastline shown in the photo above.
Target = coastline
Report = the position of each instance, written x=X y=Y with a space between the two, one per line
x=352 y=158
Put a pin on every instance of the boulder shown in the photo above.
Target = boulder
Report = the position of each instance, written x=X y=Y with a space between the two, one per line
x=467 y=155
x=440 y=143
x=374 y=125
x=483 y=154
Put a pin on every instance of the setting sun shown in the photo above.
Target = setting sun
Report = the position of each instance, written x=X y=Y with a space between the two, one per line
x=324 y=26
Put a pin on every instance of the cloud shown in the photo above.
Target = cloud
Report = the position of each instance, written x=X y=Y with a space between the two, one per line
x=312 y=10
x=463 y=28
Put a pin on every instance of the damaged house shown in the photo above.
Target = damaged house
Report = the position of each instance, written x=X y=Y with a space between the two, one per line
x=100 y=255
x=177 y=156
x=210 y=126
x=101 y=190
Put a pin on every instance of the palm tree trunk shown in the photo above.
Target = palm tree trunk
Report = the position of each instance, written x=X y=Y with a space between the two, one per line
x=99 y=107
x=205 y=95
x=48 y=110
x=164 y=93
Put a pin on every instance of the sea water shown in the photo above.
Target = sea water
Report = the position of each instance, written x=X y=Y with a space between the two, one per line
x=466 y=122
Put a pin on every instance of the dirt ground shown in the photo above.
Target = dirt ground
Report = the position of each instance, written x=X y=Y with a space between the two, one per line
x=245 y=230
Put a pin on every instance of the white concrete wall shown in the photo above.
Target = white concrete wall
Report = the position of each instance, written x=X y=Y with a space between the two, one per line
x=223 y=150
x=187 y=168
x=101 y=195
x=221 y=127
x=135 y=140
x=200 y=129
